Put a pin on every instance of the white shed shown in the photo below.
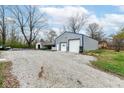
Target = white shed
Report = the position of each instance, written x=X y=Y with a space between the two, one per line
x=39 y=45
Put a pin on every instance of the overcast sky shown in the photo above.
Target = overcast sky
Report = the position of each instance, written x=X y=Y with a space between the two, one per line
x=111 y=18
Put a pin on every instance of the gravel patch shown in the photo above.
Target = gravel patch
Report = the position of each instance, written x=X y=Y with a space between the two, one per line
x=59 y=70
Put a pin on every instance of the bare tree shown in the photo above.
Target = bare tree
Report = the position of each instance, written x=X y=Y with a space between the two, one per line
x=51 y=35
x=21 y=19
x=13 y=35
x=30 y=21
x=3 y=24
x=64 y=28
x=76 y=23
x=95 y=31
x=36 y=23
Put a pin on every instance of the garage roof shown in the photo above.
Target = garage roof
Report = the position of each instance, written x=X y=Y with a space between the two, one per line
x=73 y=33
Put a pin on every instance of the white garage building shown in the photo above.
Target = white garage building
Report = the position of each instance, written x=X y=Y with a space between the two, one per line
x=74 y=42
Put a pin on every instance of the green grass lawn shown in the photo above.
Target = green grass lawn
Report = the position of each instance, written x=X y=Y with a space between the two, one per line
x=109 y=60
x=7 y=80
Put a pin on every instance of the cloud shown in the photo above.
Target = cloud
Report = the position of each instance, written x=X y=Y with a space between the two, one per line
x=93 y=19
x=58 y=15
x=117 y=19
x=112 y=22
x=121 y=8
x=65 y=11
x=9 y=20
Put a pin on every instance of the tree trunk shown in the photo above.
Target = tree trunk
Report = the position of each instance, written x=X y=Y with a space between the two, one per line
x=29 y=44
x=3 y=40
x=117 y=48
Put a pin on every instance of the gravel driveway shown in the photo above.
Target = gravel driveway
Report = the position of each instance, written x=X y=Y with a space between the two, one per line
x=60 y=70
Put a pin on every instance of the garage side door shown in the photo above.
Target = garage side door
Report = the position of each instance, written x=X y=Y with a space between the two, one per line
x=63 y=47
x=74 y=46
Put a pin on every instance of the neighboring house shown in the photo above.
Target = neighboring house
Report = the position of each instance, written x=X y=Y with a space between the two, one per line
x=112 y=45
x=103 y=44
x=48 y=45
x=44 y=45
x=74 y=42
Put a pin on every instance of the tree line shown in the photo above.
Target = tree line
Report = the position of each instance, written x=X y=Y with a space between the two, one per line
x=21 y=25
x=78 y=21
x=25 y=21
x=94 y=30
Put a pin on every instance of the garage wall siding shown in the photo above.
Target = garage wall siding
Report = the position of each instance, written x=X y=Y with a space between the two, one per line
x=67 y=36
x=86 y=43
x=89 y=44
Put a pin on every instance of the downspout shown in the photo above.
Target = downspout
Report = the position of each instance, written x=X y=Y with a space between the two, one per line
x=82 y=44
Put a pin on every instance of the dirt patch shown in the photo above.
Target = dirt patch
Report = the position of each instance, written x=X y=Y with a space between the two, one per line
x=7 y=80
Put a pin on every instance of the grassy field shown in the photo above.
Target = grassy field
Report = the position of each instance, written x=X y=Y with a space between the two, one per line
x=7 y=80
x=109 y=60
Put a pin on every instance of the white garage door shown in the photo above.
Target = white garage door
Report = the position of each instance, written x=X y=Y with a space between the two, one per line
x=74 y=46
x=63 y=47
